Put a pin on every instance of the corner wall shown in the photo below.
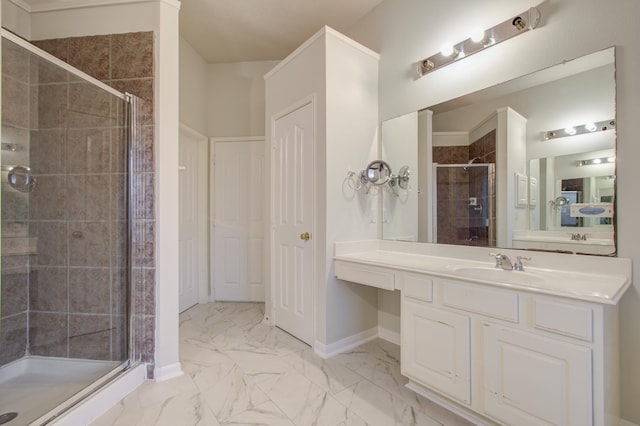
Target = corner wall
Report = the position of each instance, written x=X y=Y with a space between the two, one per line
x=193 y=99
x=235 y=98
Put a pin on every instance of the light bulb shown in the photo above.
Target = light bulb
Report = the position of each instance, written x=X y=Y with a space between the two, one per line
x=596 y=161
x=570 y=131
x=611 y=159
x=477 y=36
x=447 y=49
x=590 y=127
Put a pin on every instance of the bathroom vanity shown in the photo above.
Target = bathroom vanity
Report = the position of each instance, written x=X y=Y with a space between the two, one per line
x=531 y=347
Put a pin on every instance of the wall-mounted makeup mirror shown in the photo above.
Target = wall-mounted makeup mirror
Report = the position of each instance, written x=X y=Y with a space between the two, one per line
x=376 y=173
x=512 y=205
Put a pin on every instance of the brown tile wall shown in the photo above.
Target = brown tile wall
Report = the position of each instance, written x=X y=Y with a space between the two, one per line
x=14 y=284
x=77 y=285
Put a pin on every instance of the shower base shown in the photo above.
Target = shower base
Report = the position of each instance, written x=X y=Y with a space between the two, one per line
x=34 y=386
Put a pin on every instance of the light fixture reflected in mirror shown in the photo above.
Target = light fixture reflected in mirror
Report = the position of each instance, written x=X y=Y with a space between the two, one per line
x=596 y=161
x=480 y=40
x=580 y=130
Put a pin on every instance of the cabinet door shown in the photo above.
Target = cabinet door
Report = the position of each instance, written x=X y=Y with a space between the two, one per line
x=435 y=349
x=534 y=380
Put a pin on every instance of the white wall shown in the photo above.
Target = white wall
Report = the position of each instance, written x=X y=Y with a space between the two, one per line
x=193 y=78
x=235 y=96
x=352 y=140
x=400 y=206
x=16 y=19
x=405 y=31
x=113 y=19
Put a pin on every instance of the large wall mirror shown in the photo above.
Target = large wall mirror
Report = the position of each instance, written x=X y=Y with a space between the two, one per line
x=527 y=164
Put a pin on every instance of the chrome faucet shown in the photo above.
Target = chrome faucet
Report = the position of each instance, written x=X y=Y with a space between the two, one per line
x=518 y=265
x=503 y=261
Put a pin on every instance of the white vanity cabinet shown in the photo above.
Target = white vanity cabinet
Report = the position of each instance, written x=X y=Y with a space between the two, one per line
x=516 y=358
x=532 y=380
x=535 y=347
x=436 y=349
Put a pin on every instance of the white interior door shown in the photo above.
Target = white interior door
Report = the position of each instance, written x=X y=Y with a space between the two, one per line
x=292 y=223
x=193 y=185
x=239 y=212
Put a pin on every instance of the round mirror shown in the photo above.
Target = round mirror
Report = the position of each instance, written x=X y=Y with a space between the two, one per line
x=377 y=173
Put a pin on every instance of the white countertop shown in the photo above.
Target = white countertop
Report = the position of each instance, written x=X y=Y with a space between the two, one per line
x=574 y=280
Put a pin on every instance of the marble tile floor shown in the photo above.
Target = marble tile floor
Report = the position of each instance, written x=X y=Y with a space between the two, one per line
x=240 y=371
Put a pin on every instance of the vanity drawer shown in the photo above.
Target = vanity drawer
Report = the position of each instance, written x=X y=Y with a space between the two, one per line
x=563 y=318
x=365 y=274
x=498 y=304
x=417 y=286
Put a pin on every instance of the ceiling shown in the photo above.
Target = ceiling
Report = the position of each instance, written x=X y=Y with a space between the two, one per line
x=244 y=30
x=258 y=30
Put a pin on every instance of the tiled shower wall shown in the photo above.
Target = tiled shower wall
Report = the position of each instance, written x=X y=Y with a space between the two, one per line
x=69 y=311
x=15 y=242
x=458 y=223
x=125 y=62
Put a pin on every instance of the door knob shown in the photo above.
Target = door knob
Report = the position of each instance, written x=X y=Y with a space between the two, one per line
x=305 y=236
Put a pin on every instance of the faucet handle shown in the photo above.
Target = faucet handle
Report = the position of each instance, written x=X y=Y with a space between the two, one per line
x=519 y=266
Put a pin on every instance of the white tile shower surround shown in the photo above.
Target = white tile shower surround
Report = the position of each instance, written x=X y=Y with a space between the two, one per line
x=239 y=370
x=32 y=386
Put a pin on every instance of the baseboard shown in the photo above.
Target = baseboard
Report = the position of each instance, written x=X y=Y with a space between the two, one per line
x=346 y=344
x=454 y=408
x=624 y=422
x=167 y=372
x=389 y=335
x=105 y=398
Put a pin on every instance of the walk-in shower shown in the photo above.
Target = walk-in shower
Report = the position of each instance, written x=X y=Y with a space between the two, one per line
x=65 y=312
x=464 y=213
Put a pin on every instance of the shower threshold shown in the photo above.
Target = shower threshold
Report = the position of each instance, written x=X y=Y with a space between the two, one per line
x=34 y=386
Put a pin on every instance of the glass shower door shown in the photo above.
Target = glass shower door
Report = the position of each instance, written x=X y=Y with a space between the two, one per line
x=65 y=233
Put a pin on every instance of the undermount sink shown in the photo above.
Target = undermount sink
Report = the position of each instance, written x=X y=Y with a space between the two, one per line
x=497 y=274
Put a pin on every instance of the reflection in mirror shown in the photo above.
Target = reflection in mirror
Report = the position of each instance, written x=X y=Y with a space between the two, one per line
x=377 y=173
x=500 y=133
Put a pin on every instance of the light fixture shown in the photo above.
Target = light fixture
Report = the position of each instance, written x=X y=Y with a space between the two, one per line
x=595 y=161
x=479 y=36
x=480 y=40
x=579 y=130
x=448 y=49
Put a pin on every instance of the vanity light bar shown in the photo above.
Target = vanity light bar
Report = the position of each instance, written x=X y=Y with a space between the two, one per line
x=579 y=130
x=519 y=24
x=595 y=161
